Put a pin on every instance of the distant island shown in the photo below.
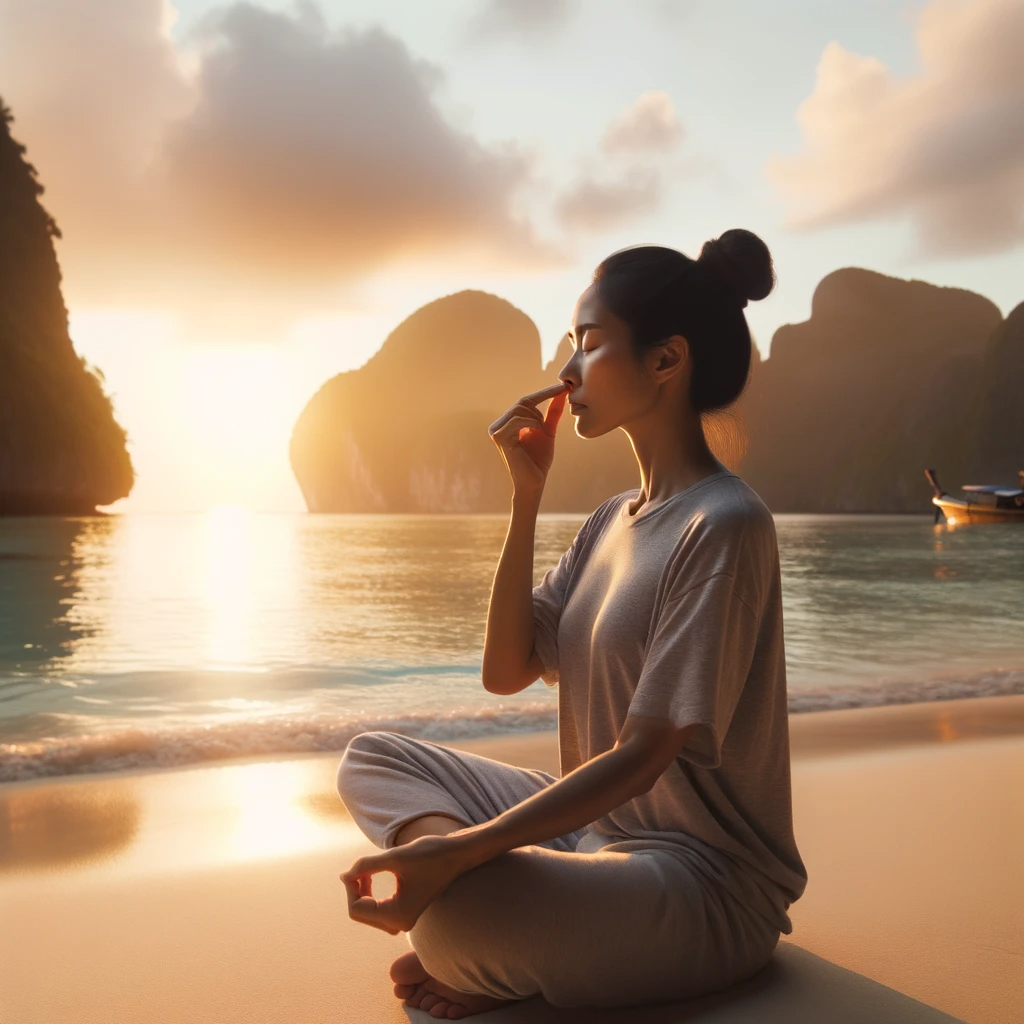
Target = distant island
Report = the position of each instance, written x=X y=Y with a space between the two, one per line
x=61 y=450
x=886 y=377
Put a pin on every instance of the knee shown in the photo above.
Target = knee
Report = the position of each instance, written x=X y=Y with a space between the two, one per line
x=361 y=748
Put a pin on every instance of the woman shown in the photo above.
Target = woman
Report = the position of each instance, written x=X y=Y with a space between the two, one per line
x=662 y=863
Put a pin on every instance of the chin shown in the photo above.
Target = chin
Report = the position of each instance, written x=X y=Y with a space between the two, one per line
x=586 y=429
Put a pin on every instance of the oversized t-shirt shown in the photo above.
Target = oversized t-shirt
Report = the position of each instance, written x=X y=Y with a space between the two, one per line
x=676 y=613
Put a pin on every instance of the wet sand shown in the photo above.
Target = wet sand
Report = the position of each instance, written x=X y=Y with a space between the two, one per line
x=211 y=894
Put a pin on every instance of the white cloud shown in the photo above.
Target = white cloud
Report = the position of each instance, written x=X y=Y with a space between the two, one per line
x=650 y=125
x=594 y=205
x=629 y=181
x=943 y=148
x=274 y=160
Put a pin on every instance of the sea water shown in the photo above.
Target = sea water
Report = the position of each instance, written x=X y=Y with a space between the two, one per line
x=147 y=640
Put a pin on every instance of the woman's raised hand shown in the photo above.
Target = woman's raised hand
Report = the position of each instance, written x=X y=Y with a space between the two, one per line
x=526 y=439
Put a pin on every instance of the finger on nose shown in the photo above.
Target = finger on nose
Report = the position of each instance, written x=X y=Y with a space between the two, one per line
x=544 y=393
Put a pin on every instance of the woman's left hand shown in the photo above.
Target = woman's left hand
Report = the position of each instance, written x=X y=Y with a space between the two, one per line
x=423 y=868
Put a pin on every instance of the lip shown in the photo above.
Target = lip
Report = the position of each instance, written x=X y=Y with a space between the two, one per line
x=574 y=406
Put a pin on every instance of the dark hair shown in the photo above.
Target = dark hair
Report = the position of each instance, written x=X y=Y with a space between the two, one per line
x=659 y=292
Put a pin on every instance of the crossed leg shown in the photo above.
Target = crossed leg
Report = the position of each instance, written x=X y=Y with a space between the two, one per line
x=622 y=926
x=398 y=789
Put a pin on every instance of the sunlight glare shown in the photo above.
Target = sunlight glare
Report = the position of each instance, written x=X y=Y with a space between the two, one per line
x=229 y=557
x=271 y=821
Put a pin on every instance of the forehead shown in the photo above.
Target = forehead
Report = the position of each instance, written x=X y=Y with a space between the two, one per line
x=589 y=307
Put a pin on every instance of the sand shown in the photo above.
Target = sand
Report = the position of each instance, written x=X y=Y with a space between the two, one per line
x=211 y=894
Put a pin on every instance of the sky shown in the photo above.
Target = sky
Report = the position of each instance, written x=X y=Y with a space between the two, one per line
x=252 y=195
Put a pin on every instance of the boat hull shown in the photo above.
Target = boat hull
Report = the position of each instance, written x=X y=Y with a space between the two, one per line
x=957 y=511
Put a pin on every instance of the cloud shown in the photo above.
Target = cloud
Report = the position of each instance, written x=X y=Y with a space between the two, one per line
x=523 y=19
x=943 y=148
x=650 y=125
x=631 y=182
x=594 y=206
x=254 y=170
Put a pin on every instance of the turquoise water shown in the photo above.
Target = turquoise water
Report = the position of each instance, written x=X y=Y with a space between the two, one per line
x=151 y=639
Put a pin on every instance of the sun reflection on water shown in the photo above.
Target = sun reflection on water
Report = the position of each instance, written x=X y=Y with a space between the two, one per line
x=229 y=554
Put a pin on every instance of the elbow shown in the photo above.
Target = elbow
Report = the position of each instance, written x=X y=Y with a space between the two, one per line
x=503 y=683
x=493 y=687
x=502 y=686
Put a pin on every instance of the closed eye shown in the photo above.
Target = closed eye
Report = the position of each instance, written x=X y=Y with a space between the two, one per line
x=579 y=332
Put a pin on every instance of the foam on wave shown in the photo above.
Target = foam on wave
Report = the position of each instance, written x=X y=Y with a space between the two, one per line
x=140 y=748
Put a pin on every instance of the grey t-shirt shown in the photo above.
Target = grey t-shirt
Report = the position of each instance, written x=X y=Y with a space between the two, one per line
x=676 y=613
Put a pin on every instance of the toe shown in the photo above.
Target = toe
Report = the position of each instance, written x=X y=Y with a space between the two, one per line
x=430 y=1000
x=440 y=1009
x=418 y=993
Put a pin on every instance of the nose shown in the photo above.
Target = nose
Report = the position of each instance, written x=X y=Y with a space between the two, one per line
x=565 y=375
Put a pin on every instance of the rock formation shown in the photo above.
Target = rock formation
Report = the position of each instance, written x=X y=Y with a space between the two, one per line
x=885 y=378
x=407 y=431
x=61 y=451
x=853 y=403
x=995 y=414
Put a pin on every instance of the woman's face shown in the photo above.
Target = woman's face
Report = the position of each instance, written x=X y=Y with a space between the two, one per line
x=609 y=389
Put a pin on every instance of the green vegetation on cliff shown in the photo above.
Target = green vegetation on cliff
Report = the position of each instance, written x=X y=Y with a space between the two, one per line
x=61 y=450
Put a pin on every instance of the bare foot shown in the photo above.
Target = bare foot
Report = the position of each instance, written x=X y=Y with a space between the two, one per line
x=419 y=989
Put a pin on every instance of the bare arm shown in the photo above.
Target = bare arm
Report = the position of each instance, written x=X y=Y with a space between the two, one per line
x=510 y=663
x=645 y=748
x=526 y=440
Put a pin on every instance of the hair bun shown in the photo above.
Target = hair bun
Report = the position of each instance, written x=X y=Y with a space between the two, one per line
x=743 y=261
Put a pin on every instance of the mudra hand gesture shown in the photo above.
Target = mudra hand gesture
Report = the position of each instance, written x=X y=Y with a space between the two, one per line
x=423 y=868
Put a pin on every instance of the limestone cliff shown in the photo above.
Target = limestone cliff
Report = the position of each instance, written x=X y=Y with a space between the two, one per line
x=886 y=377
x=61 y=451
x=852 y=404
x=995 y=446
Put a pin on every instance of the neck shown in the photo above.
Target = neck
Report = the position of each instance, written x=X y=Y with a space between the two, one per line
x=671 y=452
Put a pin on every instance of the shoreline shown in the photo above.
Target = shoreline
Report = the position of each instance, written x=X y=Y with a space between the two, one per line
x=812 y=733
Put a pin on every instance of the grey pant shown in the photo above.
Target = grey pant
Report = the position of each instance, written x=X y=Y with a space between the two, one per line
x=580 y=924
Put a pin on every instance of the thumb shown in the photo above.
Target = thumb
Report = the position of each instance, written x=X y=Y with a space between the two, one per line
x=367 y=910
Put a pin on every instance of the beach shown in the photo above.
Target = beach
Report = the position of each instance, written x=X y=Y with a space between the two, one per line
x=211 y=894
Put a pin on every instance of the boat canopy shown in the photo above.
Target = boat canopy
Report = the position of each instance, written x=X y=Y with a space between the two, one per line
x=999 y=490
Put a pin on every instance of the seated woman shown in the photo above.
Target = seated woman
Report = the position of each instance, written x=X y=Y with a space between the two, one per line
x=662 y=863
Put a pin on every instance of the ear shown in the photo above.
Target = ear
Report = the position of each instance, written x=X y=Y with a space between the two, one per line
x=670 y=357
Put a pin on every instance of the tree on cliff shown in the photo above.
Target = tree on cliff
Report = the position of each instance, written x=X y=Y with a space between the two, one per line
x=61 y=450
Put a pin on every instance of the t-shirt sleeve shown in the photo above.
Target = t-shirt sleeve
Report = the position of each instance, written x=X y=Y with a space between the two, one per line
x=696 y=663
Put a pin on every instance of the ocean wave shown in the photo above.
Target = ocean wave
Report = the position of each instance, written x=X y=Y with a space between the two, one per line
x=189 y=744
x=993 y=682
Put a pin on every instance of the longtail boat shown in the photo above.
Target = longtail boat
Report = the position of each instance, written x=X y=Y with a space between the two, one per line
x=981 y=503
